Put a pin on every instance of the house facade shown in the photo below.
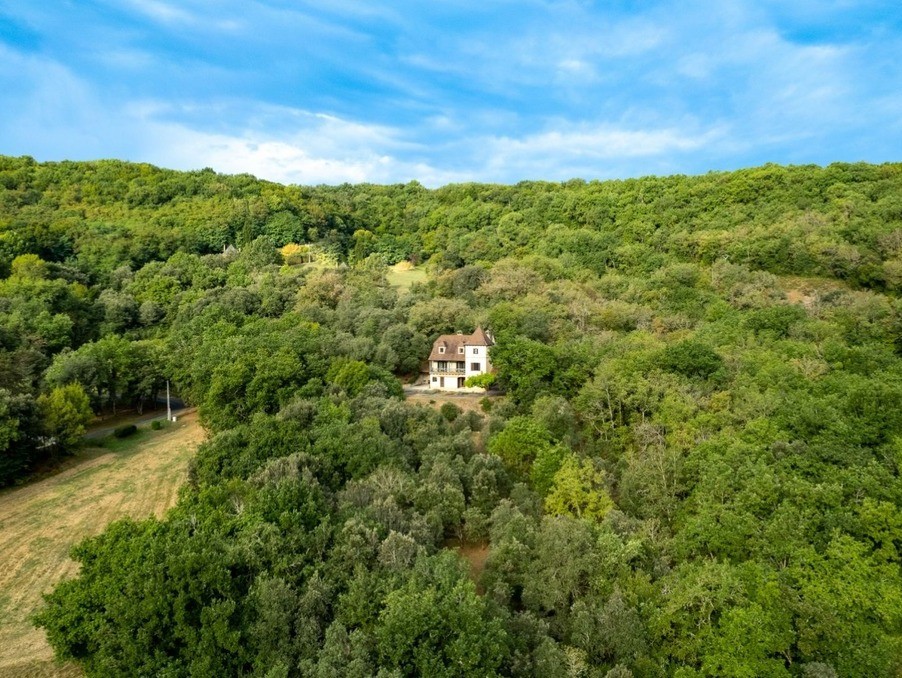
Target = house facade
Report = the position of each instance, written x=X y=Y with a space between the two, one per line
x=456 y=357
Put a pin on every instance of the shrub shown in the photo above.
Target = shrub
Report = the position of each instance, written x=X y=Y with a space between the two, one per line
x=125 y=431
x=777 y=320
x=156 y=425
x=450 y=411
x=484 y=380
x=692 y=359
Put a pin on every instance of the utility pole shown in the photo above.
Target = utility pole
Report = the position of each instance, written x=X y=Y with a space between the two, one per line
x=168 y=406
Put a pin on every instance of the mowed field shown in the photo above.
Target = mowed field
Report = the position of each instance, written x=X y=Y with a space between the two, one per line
x=404 y=274
x=41 y=521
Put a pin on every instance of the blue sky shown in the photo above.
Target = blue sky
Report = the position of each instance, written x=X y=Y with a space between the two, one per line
x=449 y=91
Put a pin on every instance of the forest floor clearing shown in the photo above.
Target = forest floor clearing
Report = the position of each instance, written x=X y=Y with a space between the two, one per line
x=807 y=291
x=40 y=522
x=476 y=555
x=404 y=274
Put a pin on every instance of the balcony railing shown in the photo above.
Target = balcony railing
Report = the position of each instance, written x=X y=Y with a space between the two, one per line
x=449 y=372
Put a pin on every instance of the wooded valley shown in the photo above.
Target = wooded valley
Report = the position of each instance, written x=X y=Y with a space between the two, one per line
x=694 y=469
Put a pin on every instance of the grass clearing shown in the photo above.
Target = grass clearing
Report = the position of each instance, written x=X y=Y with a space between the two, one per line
x=137 y=476
x=404 y=274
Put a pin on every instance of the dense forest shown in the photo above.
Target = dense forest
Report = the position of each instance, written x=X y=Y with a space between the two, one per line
x=694 y=469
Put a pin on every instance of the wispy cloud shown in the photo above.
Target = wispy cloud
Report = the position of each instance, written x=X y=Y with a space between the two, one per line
x=162 y=11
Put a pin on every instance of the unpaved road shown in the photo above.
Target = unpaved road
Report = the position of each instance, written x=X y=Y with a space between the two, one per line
x=41 y=521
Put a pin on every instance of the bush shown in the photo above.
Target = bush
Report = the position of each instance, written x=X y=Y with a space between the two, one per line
x=156 y=425
x=450 y=411
x=691 y=359
x=777 y=320
x=484 y=380
x=125 y=431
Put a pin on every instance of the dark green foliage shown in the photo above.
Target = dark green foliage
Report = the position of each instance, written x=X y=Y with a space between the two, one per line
x=437 y=626
x=450 y=411
x=776 y=320
x=691 y=359
x=125 y=431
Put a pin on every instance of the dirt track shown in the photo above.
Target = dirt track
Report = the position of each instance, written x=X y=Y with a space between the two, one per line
x=41 y=521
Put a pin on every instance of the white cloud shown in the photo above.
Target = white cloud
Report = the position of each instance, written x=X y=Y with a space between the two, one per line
x=592 y=150
x=603 y=142
x=318 y=156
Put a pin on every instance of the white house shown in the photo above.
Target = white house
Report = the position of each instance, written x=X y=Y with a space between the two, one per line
x=455 y=357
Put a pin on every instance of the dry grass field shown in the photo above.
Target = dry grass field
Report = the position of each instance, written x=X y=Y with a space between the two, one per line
x=41 y=521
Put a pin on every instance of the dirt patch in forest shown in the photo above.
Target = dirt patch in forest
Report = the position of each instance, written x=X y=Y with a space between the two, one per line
x=41 y=521
x=476 y=554
x=468 y=402
x=807 y=291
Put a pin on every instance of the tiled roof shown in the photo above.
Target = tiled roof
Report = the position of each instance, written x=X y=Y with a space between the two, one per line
x=453 y=342
x=479 y=338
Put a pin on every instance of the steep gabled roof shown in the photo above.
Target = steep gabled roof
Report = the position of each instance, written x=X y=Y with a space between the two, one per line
x=479 y=338
x=453 y=342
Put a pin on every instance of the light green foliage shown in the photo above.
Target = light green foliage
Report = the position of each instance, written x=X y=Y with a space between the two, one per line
x=484 y=380
x=112 y=370
x=28 y=266
x=65 y=411
x=578 y=489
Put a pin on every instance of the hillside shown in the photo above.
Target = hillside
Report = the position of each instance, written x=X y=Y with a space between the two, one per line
x=694 y=469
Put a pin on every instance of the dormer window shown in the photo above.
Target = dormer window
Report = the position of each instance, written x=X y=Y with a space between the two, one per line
x=441 y=349
x=460 y=350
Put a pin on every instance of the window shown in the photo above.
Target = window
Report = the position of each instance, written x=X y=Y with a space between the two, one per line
x=441 y=349
x=434 y=379
x=460 y=350
x=475 y=351
x=475 y=367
